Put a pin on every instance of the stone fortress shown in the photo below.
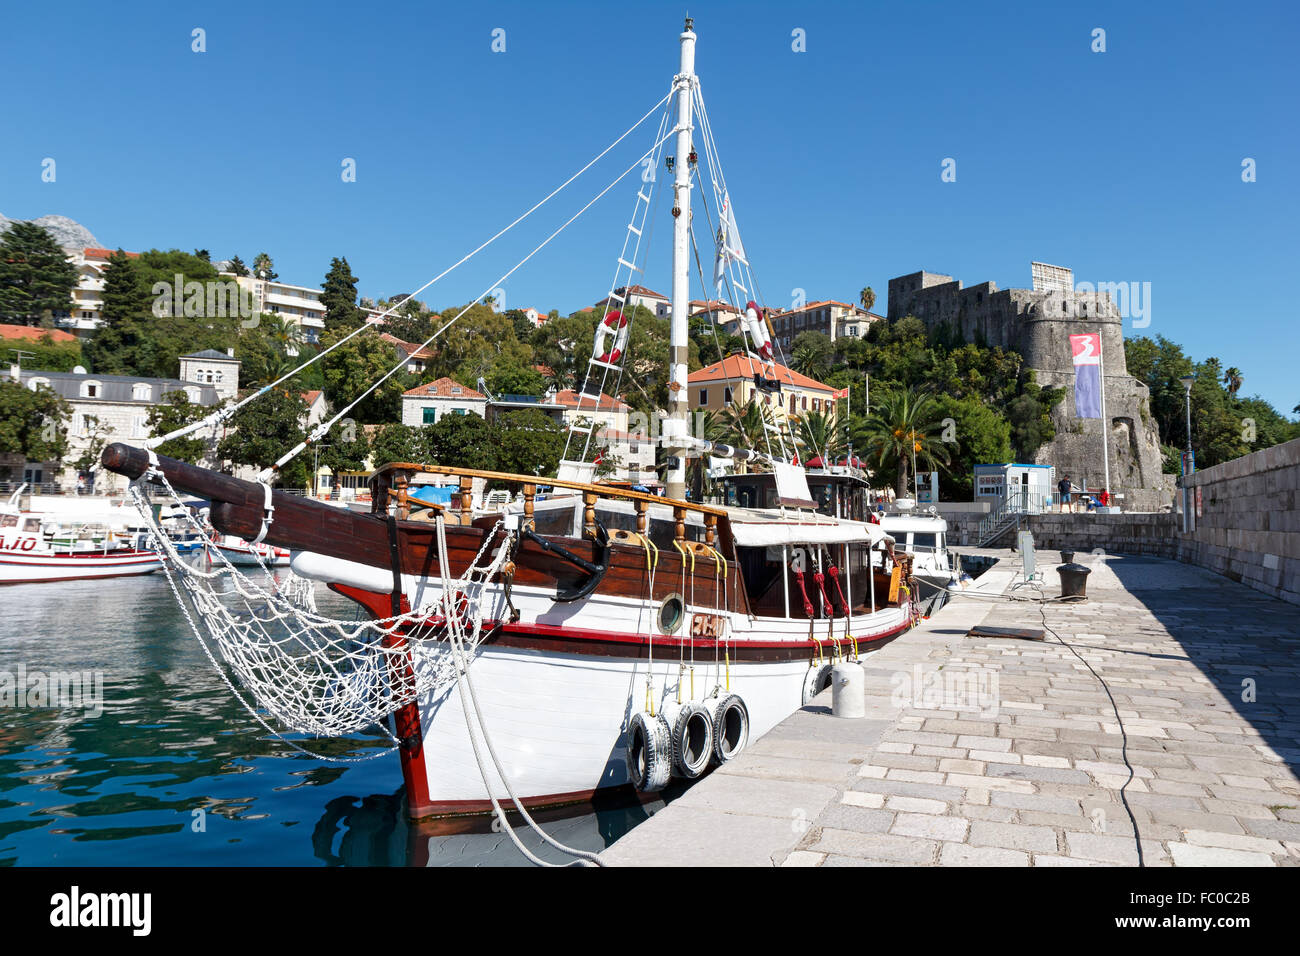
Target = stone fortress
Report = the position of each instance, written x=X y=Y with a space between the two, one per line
x=1037 y=323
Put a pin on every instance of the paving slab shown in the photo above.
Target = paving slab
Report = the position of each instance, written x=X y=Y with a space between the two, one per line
x=1010 y=753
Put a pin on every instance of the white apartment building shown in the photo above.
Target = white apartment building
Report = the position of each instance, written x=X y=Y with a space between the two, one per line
x=299 y=303
x=612 y=429
x=87 y=311
x=114 y=408
x=427 y=404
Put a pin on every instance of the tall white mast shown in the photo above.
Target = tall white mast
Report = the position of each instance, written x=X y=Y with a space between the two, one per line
x=675 y=426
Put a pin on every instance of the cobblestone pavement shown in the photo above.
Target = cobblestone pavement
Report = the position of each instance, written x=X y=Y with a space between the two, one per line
x=1007 y=752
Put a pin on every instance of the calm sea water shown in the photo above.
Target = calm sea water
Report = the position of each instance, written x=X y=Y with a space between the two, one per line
x=175 y=772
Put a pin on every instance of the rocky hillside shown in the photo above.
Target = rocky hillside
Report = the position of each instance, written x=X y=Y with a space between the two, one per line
x=66 y=232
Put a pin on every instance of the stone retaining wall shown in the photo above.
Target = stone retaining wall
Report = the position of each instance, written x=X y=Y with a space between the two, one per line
x=1248 y=528
x=1249 y=525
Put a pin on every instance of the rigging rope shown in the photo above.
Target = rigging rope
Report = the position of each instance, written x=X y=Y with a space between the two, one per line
x=225 y=413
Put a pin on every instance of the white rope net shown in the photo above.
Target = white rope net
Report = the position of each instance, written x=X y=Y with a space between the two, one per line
x=315 y=674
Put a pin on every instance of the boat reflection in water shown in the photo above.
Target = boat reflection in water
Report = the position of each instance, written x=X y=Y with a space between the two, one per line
x=375 y=831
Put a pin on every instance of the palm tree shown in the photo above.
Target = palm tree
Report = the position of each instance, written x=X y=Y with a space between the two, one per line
x=286 y=333
x=867 y=297
x=818 y=433
x=904 y=425
x=811 y=355
x=1232 y=379
x=744 y=425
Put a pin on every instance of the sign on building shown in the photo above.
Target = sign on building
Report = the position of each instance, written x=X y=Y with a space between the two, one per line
x=1049 y=278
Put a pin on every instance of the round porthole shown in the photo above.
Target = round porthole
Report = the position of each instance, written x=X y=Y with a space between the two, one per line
x=671 y=612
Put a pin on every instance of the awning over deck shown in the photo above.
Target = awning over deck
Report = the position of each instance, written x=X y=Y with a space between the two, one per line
x=756 y=529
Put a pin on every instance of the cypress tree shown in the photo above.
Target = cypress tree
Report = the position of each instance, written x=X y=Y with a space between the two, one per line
x=36 y=278
x=340 y=297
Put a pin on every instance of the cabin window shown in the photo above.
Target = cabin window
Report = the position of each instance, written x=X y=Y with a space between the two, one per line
x=923 y=539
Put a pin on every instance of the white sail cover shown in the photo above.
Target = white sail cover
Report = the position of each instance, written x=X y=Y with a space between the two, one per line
x=757 y=529
x=729 y=244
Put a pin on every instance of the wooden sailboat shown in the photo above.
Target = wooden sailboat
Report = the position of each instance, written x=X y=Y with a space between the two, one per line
x=626 y=636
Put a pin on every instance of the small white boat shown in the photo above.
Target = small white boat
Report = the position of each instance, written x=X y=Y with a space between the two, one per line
x=34 y=548
x=924 y=536
x=245 y=554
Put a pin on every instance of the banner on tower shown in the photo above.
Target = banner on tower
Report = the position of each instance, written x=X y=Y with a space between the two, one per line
x=1087 y=374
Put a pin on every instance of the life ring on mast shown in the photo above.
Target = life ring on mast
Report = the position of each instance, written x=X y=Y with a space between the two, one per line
x=616 y=323
x=649 y=752
x=758 y=330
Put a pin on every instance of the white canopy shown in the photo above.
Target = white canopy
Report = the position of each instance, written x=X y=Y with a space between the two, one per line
x=757 y=530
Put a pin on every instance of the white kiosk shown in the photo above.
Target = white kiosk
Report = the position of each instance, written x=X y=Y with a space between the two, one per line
x=1030 y=489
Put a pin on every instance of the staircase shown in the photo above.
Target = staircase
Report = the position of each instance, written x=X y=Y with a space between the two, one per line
x=996 y=525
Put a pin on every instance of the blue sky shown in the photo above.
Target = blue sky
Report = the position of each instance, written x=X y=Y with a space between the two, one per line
x=1124 y=165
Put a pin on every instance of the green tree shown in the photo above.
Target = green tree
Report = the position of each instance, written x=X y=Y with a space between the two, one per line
x=36 y=278
x=1232 y=380
x=48 y=355
x=904 y=424
x=33 y=423
x=867 y=297
x=264 y=268
x=263 y=430
x=743 y=426
x=466 y=441
x=356 y=365
x=529 y=442
x=975 y=434
x=817 y=434
x=96 y=438
x=564 y=346
x=176 y=411
x=237 y=266
x=515 y=380
x=344 y=448
x=811 y=354
x=340 y=297
x=121 y=344
x=396 y=442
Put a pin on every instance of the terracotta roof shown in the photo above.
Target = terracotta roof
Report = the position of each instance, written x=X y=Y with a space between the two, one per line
x=569 y=398
x=310 y=397
x=712 y=305
x=641 y=290
x=442 y=388
x=32 y=333
x=411 y=350
x=737 y=367
x=93 y=253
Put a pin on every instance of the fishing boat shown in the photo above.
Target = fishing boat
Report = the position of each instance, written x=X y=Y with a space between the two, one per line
x=37 y=547
x=544 y=649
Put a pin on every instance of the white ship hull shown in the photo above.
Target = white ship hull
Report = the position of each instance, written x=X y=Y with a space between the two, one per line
x=558 y=687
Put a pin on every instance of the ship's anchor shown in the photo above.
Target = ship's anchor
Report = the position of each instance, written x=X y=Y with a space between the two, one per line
x=594 y=571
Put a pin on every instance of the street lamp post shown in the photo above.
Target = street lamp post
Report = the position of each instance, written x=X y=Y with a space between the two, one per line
x=1189 y=460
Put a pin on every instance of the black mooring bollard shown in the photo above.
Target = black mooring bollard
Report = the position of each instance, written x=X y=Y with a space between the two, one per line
x=1074 y=580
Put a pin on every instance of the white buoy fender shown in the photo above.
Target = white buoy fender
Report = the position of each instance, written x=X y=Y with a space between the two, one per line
x=848 y=690
x=692 y=740
x=649 y=752
x=815 y=681
x=730 y=727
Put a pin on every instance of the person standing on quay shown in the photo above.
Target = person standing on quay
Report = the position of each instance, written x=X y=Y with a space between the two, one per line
x=1063 y=486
